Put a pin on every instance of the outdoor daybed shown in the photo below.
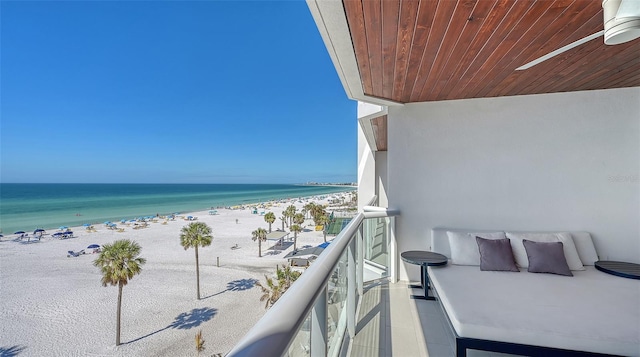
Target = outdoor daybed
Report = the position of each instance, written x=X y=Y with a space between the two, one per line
x=537 y=314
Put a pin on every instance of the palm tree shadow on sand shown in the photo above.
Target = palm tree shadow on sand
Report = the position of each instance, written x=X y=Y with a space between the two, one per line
x=11 y=351
x=184 y=321
x=236 y=285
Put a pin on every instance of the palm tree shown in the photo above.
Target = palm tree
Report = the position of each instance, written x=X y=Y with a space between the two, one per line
x=284 y=220
x=289 y=212
x=260 y=235
x=317 y=211
x=194 y=235
x=286 y=276
x=270 y=217
x=271 y=292
x=323 y=220
x=199 y=342
x=308 y=208
x=295 y=229
x=119 y=263
x=298 y=218
x=274 y=288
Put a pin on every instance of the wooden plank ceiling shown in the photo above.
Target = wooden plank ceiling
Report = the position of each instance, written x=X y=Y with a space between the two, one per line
x=429 y=50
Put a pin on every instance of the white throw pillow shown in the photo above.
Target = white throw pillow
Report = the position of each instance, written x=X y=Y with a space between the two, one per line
x=464 y=248
x=584 y=246
x=570 y=252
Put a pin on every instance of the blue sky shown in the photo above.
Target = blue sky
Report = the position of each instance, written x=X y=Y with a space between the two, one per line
x=170 y=92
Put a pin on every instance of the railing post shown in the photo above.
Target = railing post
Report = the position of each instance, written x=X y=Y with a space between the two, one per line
x=393 y=250
x=351 y=289
x=367 y=236
x=360 y=257
x=318 y=346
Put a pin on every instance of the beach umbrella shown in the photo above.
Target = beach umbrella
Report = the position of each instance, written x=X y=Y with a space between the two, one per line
x=20 y=232
x=123 y=221
x=107 y=222
x=87 y=224
x=38 y=230
x=63 y=227
x=94 y=246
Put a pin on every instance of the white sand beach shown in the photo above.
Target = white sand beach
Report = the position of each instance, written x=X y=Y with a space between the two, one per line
x=54 y=305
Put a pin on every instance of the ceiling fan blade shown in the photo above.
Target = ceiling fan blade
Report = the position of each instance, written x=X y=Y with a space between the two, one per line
x=560 y=50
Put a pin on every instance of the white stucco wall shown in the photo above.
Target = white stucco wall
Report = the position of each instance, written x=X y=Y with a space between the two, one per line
x=565 y=161
x=367 y=175
x=381 y=178
x=366 y=171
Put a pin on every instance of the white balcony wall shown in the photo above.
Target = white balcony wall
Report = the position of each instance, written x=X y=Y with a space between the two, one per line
x=366 y=157
x=366 y=171
x=381 y=178
x=564 y=161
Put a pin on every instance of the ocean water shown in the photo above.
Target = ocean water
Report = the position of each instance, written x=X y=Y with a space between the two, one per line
x=29 y=206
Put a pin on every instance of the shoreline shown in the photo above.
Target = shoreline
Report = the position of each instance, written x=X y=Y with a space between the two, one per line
x=98 y=214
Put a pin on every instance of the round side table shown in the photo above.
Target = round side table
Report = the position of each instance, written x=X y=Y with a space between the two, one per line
x=424 y=259
x=622 y=269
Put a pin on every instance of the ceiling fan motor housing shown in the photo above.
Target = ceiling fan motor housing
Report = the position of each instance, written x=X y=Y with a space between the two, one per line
x=621 y=26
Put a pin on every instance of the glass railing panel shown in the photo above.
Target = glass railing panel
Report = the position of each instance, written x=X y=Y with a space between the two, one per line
x=301 y=344
x=376 y=248
x=321 y=305
x=336 y=303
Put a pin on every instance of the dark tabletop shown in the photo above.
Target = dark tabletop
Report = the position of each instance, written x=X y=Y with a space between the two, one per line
x=623 y=269
x=422 y=257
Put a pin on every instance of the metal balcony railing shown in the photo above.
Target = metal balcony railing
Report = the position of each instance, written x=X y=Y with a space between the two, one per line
x=317 y=315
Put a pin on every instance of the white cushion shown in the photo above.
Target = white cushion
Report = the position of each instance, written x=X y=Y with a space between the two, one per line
x=585 y=248
x=464 y=248
x=592 y=311
x=570 y=252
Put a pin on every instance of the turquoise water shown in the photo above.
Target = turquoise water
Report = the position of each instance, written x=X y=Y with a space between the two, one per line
x=30 y=206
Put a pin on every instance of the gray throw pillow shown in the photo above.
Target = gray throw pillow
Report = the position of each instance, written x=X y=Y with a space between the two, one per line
x=496 y=255
x=546 y=257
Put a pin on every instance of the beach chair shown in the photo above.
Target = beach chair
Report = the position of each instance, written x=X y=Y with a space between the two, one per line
x=71 y=253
